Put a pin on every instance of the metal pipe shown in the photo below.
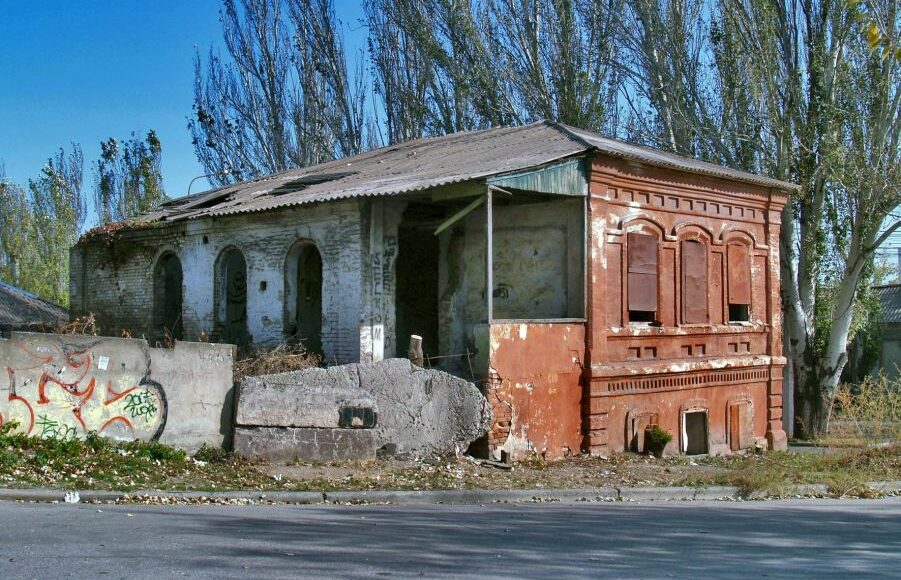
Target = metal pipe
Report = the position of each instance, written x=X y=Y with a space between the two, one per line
x=489 y=254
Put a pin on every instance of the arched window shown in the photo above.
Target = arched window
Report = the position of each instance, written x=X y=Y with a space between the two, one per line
x=303 y=295
x=641 y=283
x=167 y=298
x=739 y=286
x=231 y=297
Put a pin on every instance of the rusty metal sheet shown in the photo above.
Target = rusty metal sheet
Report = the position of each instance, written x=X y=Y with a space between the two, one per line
x=739 y=273
x=694 y=282
x=642 y=271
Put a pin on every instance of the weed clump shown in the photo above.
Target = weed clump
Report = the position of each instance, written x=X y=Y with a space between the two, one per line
x=868 y=413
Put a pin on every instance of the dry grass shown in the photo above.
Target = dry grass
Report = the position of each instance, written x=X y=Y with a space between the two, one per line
x=254 y=362
x=86 y=324
x=866 y=414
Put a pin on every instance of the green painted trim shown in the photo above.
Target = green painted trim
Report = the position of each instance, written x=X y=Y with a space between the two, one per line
x=566 y=178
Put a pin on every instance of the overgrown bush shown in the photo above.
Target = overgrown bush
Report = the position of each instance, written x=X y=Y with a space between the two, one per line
x=656 y=438
x=868 y=413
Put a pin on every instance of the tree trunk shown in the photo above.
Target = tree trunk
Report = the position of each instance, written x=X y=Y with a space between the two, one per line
x=813 y=405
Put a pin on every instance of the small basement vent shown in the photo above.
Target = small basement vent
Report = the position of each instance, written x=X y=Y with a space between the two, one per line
x=306 y=181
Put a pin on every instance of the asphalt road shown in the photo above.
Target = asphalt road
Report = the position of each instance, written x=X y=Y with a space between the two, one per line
x=799 y=539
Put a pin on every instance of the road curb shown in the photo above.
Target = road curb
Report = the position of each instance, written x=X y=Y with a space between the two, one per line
x=450 y=497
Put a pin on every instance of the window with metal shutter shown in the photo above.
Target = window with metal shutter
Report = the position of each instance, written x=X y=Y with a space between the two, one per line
x=642 y=276
x=739 y=282
x=694 y=282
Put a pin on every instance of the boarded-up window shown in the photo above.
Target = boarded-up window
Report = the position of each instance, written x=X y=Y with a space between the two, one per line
x=642 y=280
x=694 y=282
x=739 y=282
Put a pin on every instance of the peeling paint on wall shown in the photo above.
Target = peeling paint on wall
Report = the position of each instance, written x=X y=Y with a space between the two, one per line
x=535 y=388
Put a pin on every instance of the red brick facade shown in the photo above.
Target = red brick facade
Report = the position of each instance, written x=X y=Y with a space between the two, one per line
x=650 y=351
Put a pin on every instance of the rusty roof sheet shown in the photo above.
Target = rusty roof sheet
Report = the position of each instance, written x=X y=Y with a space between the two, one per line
x=21 y=310
x=422 y=164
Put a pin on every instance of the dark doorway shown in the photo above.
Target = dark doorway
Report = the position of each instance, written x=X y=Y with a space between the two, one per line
x=167 y=299
x=416 y=300
x=305 y=291
x=232 y=295
x=696 y=432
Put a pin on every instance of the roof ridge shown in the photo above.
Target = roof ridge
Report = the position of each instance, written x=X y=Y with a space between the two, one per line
x=567 y=130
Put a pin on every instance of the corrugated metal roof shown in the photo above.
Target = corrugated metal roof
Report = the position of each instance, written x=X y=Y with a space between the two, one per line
x=565 y=178
x=890 y=298
x=659 y=158
x=425 y=163
x=22 y=310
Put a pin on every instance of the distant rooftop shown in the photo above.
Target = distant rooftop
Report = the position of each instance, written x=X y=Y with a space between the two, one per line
x=431 y=162
x=890 y=298
x=21 y=310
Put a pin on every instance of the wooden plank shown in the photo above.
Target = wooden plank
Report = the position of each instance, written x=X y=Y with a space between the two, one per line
x=460 y=214
x=738 y=268
x=642 y=272
x=734 y=427
x=694 y=282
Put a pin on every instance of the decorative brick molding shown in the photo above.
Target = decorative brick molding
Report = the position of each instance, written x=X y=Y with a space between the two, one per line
x=675 y=381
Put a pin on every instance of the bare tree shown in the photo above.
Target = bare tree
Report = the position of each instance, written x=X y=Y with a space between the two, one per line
x=281 y=96
x=555 y=58
x=401 y=67
x=444 y=66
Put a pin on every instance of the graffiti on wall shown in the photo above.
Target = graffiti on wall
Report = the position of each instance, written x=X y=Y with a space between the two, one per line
x=52 y=392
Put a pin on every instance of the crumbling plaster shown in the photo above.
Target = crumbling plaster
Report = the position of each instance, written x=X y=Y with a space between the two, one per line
x=118 y=288
x=538 y=273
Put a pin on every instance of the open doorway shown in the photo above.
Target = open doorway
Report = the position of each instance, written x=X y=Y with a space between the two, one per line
x=694 y=429
x=417 y=279
x=303 y=301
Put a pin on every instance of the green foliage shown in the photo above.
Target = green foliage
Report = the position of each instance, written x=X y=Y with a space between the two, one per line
x=96 y=462
x=38 y=227
x=845 y=472
x=128 y=178
x=656 y=438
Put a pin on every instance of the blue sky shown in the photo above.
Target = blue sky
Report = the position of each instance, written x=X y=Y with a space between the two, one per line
x=84 y=71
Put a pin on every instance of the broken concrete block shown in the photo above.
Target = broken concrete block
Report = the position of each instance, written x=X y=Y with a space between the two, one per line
x=414 y=411
x=290 y=443
x=423 y=411
x=310 y=398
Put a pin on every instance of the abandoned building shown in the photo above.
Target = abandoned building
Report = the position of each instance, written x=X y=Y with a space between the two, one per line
x=589 y=286
x=21 y=310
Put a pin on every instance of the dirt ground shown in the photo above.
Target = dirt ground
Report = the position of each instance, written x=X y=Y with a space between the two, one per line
x=468 y=473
